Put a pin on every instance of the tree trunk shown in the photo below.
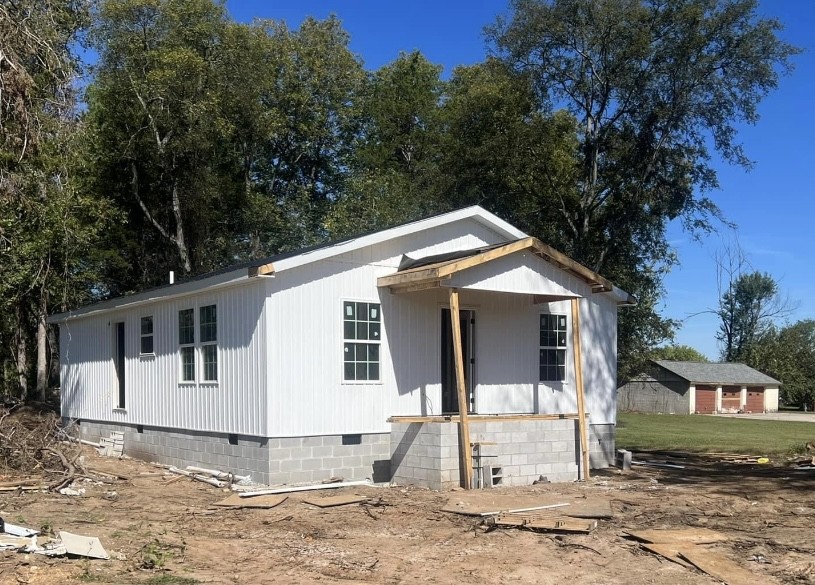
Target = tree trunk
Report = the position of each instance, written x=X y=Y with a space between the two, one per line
x=42 y=361
x=22 y=354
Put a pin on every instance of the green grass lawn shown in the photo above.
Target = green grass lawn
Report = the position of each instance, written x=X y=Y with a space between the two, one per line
x=701 y=434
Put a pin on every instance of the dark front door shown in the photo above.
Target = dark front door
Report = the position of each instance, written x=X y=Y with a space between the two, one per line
x=119 y=362
x=449 y=392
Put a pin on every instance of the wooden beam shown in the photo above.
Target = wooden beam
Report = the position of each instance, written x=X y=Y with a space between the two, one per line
x=416 y=286
x=478 y=259
x=482 y=418
x=578 y=383
x=463 y=399
x=261 y=270
x=409 y=276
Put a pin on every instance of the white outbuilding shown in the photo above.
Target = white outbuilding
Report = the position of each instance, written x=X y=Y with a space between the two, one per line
x=347 y=360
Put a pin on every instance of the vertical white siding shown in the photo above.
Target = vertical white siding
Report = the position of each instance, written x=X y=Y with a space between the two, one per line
x=154 y=395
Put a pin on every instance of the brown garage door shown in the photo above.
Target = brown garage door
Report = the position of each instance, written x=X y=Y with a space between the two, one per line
x=705 y=400
x=755 y=399
x=731 y=398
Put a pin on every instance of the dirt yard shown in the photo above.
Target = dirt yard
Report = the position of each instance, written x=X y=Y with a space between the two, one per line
x=164 y=533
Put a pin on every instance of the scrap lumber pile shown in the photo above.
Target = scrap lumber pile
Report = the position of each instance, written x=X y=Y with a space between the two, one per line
x=32 y=446
x=686 y=547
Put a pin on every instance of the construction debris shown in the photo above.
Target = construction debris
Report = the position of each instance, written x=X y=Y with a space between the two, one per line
x=219 y=474
x=15 y=530
x=331 y=501
x=112 y=446
x=198 y=477
x=655 y=464
x=537 y=522
x=684 y=547
x=83 y=546
x=306 y=488
x=235 y=501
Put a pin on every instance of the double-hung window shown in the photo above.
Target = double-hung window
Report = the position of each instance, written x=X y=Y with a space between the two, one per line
x=206 y=346
x=552 y=348
x=186 y=343
x=146 y=344
x=362 y=323
x=208 y=325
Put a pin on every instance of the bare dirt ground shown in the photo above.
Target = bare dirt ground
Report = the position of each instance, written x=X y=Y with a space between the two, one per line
x=158 y=532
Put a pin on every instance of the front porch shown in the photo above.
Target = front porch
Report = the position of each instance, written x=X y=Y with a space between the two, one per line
x=510 y=352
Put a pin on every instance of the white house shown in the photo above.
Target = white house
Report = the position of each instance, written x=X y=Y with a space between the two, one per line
x=339 y=360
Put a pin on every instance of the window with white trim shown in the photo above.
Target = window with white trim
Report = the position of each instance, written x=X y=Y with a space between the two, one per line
x=552 y=348
x=208 y=328
x=186 y=343
x=146 y=343
x=362 y=323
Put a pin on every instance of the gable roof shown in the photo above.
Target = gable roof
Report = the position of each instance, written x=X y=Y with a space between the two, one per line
x=726 y=373
x=237 y=273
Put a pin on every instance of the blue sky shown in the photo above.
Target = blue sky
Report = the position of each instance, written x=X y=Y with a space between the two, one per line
x=773 y=205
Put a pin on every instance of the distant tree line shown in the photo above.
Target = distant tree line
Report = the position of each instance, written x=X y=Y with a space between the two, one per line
x=197 y=141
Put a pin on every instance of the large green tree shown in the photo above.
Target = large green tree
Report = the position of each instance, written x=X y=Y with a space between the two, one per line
x=47 y=226
x=747 y=311
x=788 y=354
x=655 y=87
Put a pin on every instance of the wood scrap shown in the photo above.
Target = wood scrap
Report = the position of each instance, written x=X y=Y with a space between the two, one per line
x=218 y=474
x=20 y=482
x=518 y=510
x=557 y=524
x=655 y=464
x=721 y=568
x=235 y=501
x=198 y=477
x=332 y=501
x=23 y=488
x=669 y=550
x=682 y=535
x=306 y=488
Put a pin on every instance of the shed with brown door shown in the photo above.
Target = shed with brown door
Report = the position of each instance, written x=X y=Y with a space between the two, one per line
x=674 y=387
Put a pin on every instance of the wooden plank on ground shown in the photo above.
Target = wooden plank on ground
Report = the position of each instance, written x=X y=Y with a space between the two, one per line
x=235 y=501
x=669 y=550
x=554 y=523
x=331 y=501
x=479 y=503
x=721 y=568
x=589 y=508
x=683 y=535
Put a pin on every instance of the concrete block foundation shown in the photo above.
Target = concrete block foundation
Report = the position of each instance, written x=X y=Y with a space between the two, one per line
x=268 y=461
x=519 y=452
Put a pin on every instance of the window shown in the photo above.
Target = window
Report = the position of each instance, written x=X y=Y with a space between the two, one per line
x=552 y=348
x=146 y=346
x=361 y=339
x=208 y=325
x=186 y=342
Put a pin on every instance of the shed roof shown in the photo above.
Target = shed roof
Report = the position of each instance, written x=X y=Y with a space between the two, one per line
x=726 y=373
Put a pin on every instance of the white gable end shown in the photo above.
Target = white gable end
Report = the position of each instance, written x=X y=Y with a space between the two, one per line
x=523 y=273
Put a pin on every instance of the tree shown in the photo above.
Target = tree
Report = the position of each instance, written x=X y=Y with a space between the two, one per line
x=395 y=158
x=747 y=311
x=679 y=353
x=651 y=84
x=47 y=227
x=153 y=110
x=788 y=354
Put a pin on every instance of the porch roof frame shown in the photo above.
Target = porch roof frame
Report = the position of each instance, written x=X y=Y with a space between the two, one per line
x=436 y=274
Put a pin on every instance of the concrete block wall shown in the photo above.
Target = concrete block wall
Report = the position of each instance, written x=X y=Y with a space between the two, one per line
x=268 y=461
x=427 y=454
x=312 y=459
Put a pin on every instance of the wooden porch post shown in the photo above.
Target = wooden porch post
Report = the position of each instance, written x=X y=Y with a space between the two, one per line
x=578 y=383
x=463 y=400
